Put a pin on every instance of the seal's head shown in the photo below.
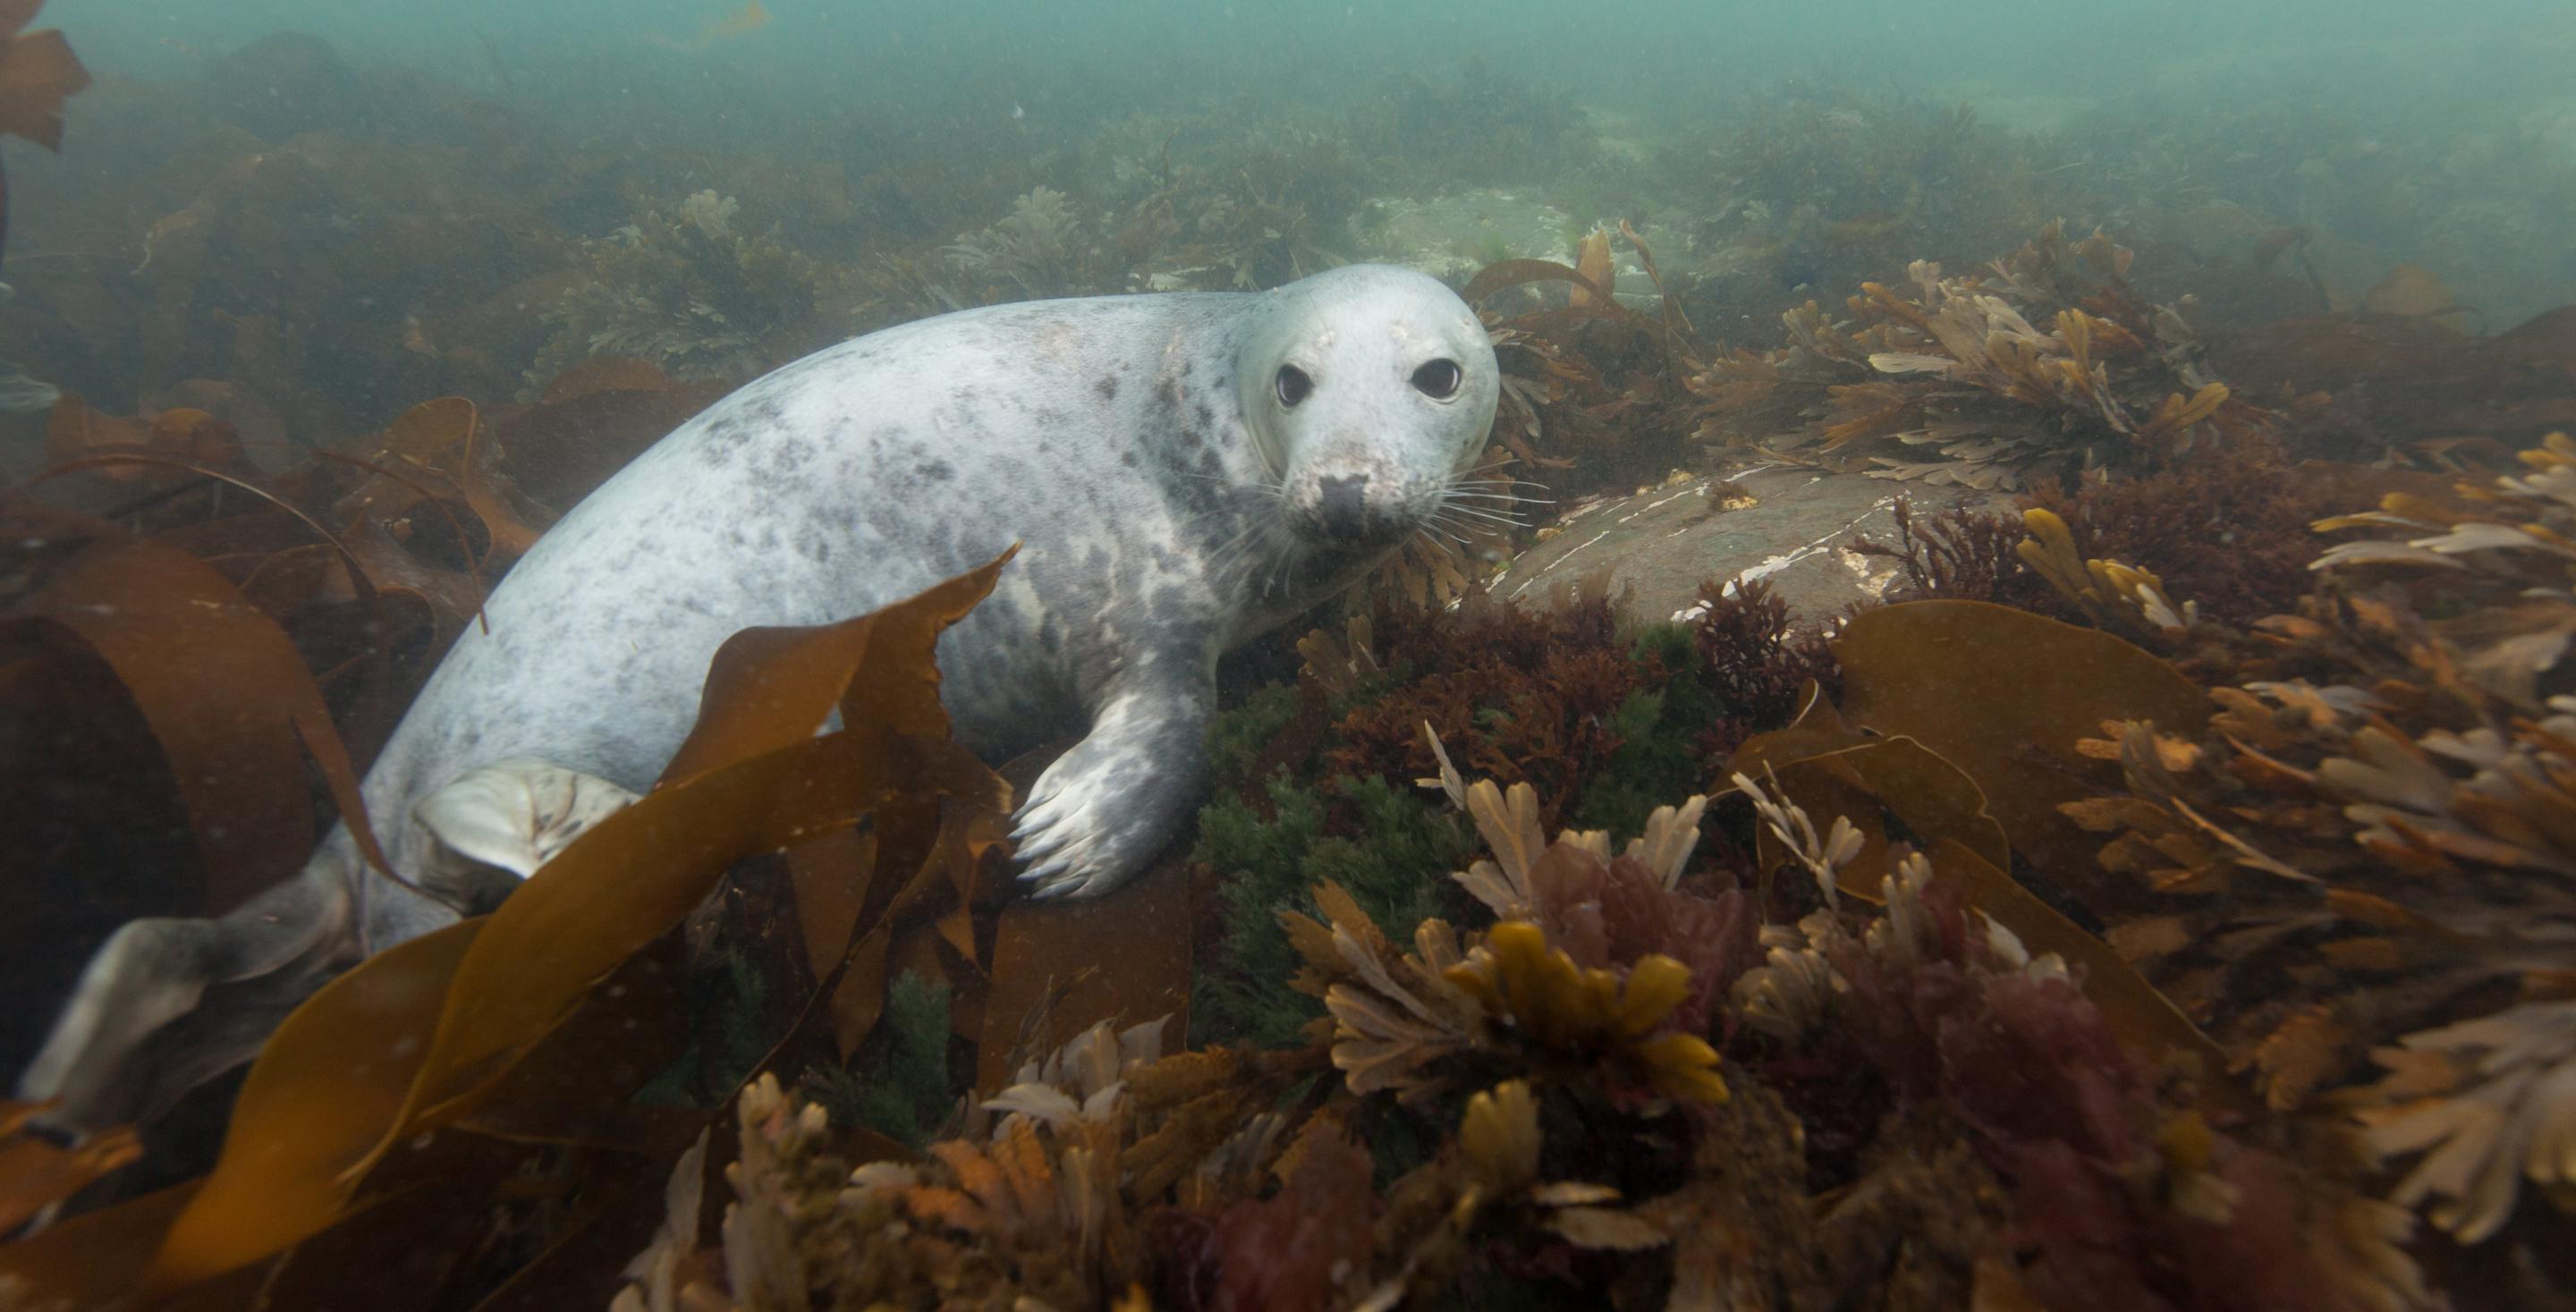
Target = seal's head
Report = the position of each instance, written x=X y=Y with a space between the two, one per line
x=1367 y=390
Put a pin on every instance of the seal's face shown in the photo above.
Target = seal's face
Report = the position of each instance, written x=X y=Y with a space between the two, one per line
x=1368 y=390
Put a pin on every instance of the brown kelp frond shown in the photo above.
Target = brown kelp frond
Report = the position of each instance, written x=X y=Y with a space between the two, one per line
x=2116 y=597
x=1514 y=999
x=36 y=1173
x=1579 y=1091
x=1593 y=393
x=484 y=1040
x=2047 y=365
x=2371 y=840
x=38 y=72
x=300 y=608
x=2507 y=550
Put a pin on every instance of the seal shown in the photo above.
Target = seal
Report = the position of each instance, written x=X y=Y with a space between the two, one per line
x=1183 y=471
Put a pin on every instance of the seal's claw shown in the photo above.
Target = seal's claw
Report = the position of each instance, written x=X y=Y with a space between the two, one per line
x=1035 y=841
x=1105 y=809
x=1059 y=877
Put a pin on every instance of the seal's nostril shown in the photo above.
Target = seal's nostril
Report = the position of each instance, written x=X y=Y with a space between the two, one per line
x=1343 y=506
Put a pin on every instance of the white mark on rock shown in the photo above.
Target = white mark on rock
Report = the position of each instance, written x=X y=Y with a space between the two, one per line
x=1568 y=554
x=1658 y=505
x=1872 y=581
x=1774 y=564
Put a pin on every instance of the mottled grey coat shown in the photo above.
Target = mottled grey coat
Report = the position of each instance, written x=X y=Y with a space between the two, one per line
x=1174 y=493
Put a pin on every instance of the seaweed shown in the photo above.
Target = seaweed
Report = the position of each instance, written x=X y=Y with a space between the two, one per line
x=2316 y=864
x=1962 y=554
x=1039 y=250
x=38 y=72
x=1591 y=1096
x=1809 y=184
x=2364 y=178
x=2078 y=930
x=430 y=1002
x=684 y=290
x=1594 y=393
x=1957 y=365
x=2227 y=528
x=904 y=1092
x=1280 y=210
x=1267 y=858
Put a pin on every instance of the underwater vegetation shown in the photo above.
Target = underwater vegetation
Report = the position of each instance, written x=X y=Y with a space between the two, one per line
x=1751 y=1068
x=1613 y=1060
x=1270 y=207
x=1951 y=381
x=1817 y=184
x=2354 y=180
x=688 y=292
x=1593 y=391
x=2163 y=902
x=1033 y=253
x=38 y=72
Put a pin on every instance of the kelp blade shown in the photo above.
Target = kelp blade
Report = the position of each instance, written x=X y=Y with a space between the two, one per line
x=227 y=696
x=516 y=974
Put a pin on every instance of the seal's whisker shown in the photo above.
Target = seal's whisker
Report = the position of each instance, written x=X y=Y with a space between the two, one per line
x=1249 y=545
x=1453 y=496
x=1241 y=548
x=1471 y=533
x=1493 y=516
x=1477 y=521
x=1283 y=576
x=1495 y=482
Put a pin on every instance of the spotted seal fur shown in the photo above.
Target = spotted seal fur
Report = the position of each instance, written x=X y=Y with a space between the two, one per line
x=1184 y=471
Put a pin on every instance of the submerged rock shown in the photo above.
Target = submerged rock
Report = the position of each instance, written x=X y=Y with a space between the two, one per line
x=288 y=83
x=1788 y=526
x=1453 y=236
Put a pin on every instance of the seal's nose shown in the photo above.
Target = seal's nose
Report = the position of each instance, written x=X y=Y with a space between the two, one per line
x=1343 y=506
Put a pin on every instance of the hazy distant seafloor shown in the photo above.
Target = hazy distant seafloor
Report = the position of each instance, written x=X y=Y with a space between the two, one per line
x=2023 y=562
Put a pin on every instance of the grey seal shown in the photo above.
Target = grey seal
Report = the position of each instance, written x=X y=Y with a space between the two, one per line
x=1183 y=471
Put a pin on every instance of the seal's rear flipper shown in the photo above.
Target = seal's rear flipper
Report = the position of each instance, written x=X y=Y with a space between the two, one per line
x=510 y=816
x=168 y=1004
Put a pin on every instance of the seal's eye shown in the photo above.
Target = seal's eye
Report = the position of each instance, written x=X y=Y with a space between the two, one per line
x=1439 y=379
x=1293 y=385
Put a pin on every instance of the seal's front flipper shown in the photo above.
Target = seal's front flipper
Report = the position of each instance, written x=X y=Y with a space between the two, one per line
x=1108 y=807
x=497 y=824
